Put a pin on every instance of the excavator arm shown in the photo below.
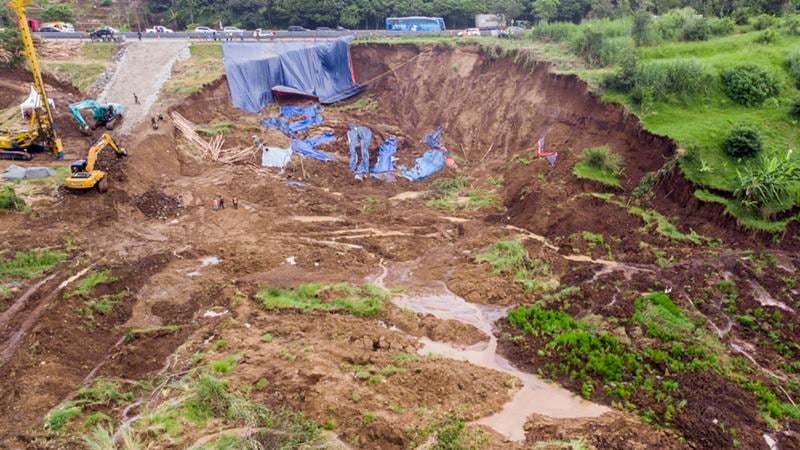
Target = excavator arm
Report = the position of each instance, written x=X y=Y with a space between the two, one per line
x=105 y=141
x=104 y=114
x=45 y=117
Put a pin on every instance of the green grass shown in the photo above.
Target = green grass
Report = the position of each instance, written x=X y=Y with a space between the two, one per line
x=99 y=51
x=90 y=281
x=661 y=318
x=102 y=392
x=225 y=365
x=601 y=165
x=132 y=334
x=81 y=75
x=360 y=301
x=30 y=264
x=9 y=200
x=203 y=67
x=217 y=129
x=102 y=305
x=745 y=216
x=510 y=257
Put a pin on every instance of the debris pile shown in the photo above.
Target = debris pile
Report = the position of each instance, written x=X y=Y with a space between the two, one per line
x=211 y=149
x=157 y=205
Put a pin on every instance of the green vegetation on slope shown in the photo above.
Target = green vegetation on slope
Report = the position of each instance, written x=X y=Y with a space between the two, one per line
x=601 y=165
x=30 y=264
x=361 y=301
x=203 y=67
x=510 y=257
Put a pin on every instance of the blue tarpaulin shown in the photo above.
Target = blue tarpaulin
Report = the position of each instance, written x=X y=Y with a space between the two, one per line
x=310 y=114
x=431 y=162
x=257 y=70
x=307 y=147
x=385 y=165
x=359 y=136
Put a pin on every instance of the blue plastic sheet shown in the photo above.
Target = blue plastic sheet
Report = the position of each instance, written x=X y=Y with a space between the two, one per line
x=430 y=163
x=385 y=153
x=316 y=69
x=359 y=136
x=310 y=114
x=433 y=138
x=307 y=147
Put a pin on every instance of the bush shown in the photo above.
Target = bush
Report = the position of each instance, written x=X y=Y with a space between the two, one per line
x=670 y=26
x=60 y=12
x=767 y=187
x=794 y=108
x=662 y=79
x=587 y=45
x=614 y=51
x=793 y=64
x=642 y=31
x=720 y=26
x=601 y=165
x=695 y=29
x=10 y=200
x=764 y=21
x=791 y=25
x=767 y=36
x=10 y=47
x=743 y=142
x=748 y=84
x=555 y=32
x=741 y=15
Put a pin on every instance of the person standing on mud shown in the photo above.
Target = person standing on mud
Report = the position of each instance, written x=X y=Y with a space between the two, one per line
x=135 y=99
x=235 y=201
x=153 y=123
x=221 y=201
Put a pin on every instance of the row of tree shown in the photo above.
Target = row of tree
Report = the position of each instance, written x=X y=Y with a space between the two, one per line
x=371 y=14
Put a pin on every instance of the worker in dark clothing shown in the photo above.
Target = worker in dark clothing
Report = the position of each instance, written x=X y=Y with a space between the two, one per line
x=135 y=98
x=160 y=117
x=221 y=202
x=153 y=123
x=139 y=34
x=235 y=201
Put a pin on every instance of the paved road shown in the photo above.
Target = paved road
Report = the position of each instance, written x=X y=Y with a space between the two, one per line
x=248 y=35
x=143 y=70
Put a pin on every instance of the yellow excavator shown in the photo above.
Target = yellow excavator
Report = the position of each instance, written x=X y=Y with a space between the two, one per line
x=83 y=174
x=41 y=132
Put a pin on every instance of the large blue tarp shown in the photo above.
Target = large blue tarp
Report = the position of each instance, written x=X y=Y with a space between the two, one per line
x=385 y=153
x=256 y=70
x=358 y=136
x=311 y=118
x=431 y=161
x=307 y=147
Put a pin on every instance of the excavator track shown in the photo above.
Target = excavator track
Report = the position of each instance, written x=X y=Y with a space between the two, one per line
x=16 y=155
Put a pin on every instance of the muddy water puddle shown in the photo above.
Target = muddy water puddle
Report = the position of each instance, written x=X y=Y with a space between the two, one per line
x=535 y=395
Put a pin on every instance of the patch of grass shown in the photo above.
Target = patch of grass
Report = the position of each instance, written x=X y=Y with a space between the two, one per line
x=661 y=318
x=601 y=165
x=360 y=301
x=102 y=306
x=368 y=418
x=61 y=415
x=403 y=358
x=202 y=67
x=217 y=128
x=510 y=257
x=102 y=392
x=99 y=51
x=96 y=418
x=446 y=193
x=90 y=281
x=10 y=201
x=266 y=337
x=30 y=264
x=745 y=217
x=81 y=75
x=225 y=365
x=452 y=434
x=361 y=104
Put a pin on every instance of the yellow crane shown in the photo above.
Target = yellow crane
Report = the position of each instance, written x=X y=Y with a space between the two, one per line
x=41 y=132
x=83 y=174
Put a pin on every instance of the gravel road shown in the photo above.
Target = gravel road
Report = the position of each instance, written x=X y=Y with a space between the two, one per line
x=143 y=70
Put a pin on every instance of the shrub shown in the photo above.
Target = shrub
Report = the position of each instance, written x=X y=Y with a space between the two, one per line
x=587 y=45
x=767 y=36
x=793 y=64
x=794 y=108
x=660 y=80
x=766 y=188
x=791 y=25
x=748 y=84
x=60 y=12
x=763 y=21
x=616 y=50
x=601 y=165
x=555 y=32
x=670 y=25
x=695 y=29
x=10 y=200
x=741 y=15
x=661 y=318
x=720 y=26
x=642 y=30
x=743 y=142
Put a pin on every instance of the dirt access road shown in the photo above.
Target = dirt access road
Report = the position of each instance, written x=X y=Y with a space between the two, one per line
x=143 y=70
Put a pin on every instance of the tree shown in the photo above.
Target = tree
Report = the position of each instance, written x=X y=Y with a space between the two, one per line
x=544 y=10
x=572 y=10
x=641 y=28
x=61 y=12
x=511 y=9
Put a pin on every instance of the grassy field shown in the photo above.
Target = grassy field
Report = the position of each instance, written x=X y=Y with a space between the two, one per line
x=189 y=76
x=94 y=59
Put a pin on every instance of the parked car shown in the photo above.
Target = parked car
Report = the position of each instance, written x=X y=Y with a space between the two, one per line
x=323 y=29
x=104 y=34
x=231 y=32
x=111 y=29
x=341 y=28
x=158 y=29
x=204 y=30
x=470 y=32
x=259 y=33
x=295 y=28
x=49 y=30
x=512 y=33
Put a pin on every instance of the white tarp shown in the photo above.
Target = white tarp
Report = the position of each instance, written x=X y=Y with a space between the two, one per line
x=275 y=156
x=33 y=101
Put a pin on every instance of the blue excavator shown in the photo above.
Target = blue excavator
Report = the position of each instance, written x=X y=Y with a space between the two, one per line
x=105 y=115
